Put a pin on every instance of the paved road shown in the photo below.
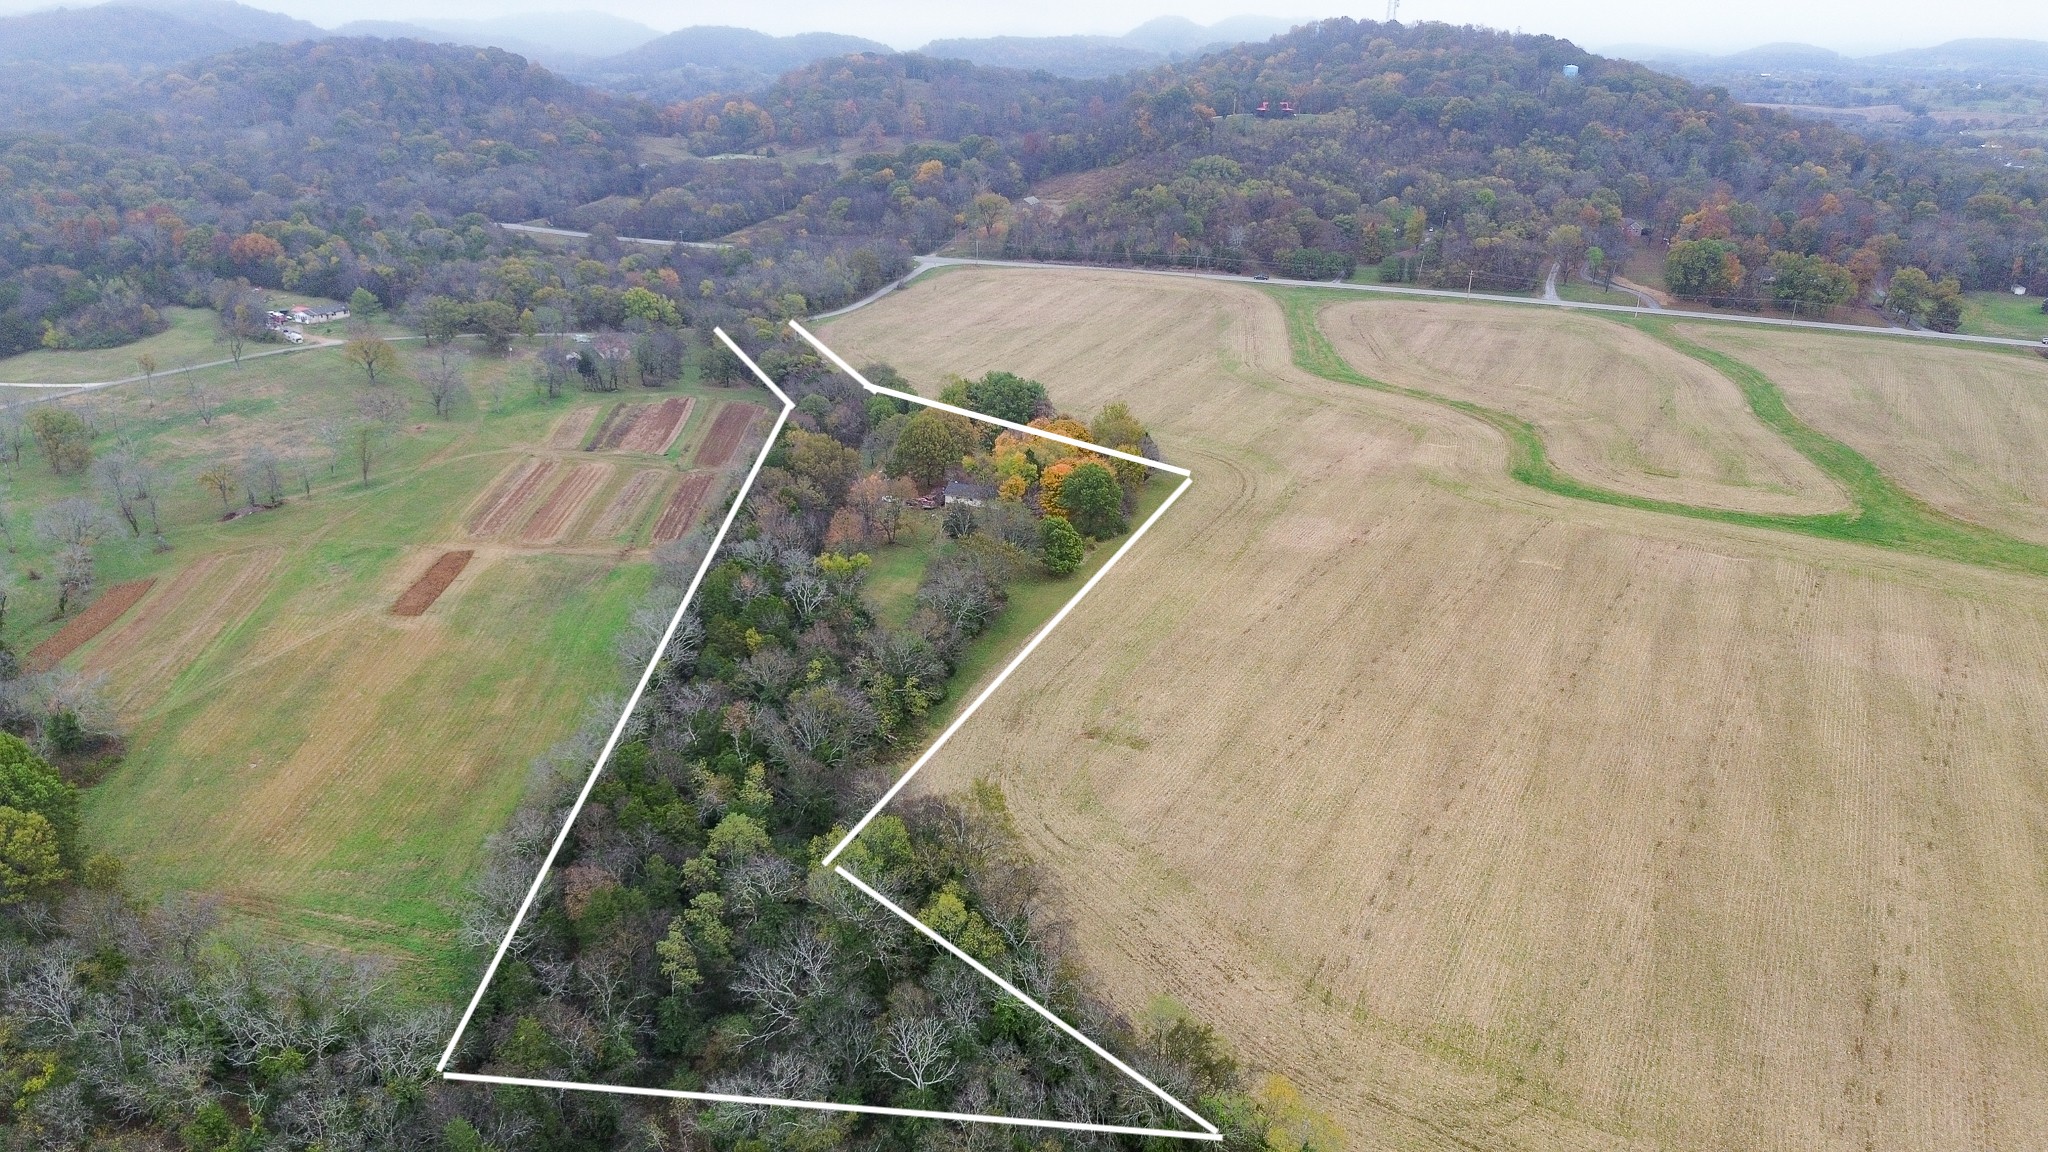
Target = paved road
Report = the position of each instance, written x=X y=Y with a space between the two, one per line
x=926 y=262
x=540 y=231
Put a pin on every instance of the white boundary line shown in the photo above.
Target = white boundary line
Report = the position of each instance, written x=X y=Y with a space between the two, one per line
x=1209 y=1131
x=633 y=701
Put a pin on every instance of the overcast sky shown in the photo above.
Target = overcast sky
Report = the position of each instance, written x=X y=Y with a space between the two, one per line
x=1725 y=25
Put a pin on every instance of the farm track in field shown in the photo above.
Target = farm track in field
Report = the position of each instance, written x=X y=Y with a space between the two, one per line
x=1498 y=816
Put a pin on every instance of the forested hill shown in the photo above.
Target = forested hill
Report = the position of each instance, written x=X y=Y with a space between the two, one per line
x=1450 y=155
x=1470 y=152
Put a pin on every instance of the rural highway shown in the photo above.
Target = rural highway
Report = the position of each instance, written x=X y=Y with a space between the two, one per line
x=1550 y=298
x=926 y=263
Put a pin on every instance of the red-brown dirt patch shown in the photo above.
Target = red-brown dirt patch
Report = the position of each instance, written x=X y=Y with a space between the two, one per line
x=567 y=434
x=428 y=588
x=565 y=502
x=87 y=624
x=681 y=510
x=655 y=430
x=512 y=496
x=626 y=507
x=731 y=424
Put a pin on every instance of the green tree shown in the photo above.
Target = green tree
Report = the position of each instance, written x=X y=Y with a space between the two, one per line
x=1094 y=500
x=1703 y=269
x=1003 y=395
x=497 y=323
x=1909 y=293
x=1062 y=544
x=653 y=307
x=364 y=305
x=30 y=863
x=931 y=443
x=443 y=317
x=1810 y=282
x=62 y=436
x=29 y=784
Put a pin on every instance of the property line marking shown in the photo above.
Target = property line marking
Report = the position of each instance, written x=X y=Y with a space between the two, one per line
x=821 y=1105
x=984 y=417
x=1208 y=1132
x=632 y=702
x=931 y=934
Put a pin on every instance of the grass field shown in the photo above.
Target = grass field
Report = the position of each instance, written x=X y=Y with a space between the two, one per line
x=294 y=747
x=2003 y=314
x=1505 y=816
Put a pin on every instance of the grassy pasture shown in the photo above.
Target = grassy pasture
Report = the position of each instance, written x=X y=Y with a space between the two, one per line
x=2003 y=314
x=1500 y=815
x=322 y=764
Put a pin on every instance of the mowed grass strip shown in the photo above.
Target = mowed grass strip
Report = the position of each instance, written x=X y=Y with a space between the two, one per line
x=83 y=627
x=1882 y=513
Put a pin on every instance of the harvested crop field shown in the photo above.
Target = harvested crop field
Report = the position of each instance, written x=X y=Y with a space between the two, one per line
x=657 y=426
x=1497 y=819
x=516 y=487
x=727 y=430
x=97 y=616
x=565 y=503
x=568 y=432
x=616 y=421
x=681 y=510
x=628 y=505
x=422 y=593
x=1616 y=407
x=1964 y=429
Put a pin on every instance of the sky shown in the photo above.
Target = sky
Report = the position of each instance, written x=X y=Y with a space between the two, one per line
x=1862 y=26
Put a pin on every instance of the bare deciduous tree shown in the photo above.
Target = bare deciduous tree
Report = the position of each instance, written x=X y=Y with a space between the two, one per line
x=919 y=1053
x=219 y=479
x=442 y=378
x=119 y=480
x=203 y=397
x=263 y=478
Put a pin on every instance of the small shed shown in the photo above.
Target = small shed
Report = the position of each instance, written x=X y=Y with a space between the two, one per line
x=963 y=492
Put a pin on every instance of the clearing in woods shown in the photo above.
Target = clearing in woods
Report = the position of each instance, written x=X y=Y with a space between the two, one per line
x=1496 y=816
x=298 y=741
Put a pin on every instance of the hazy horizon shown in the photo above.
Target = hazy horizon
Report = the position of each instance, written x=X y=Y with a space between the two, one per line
x=1870 y=27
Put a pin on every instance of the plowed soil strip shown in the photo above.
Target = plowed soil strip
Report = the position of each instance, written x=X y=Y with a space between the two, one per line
x=655 y=430
x=604 y=428
x=567 y=433
x=87 y=624
x=564 y=502
x=725 y=434
x=681 y=510
x=428 y=588
x=625 y=508
x=506 y=508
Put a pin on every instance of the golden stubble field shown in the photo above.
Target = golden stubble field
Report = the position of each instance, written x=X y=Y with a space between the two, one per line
x=1497 y=820
x=1963 y=428
x=1621 y=409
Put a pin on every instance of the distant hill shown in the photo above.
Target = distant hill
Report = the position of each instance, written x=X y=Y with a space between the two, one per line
x=1083 y=57
x=711 y=58
x=1990 y=55
x=564 y=40
x=1076 y=56
x=1980 y=59
x=144 y=34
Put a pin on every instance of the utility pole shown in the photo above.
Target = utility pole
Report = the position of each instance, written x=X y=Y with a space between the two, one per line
x=1393 y=10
